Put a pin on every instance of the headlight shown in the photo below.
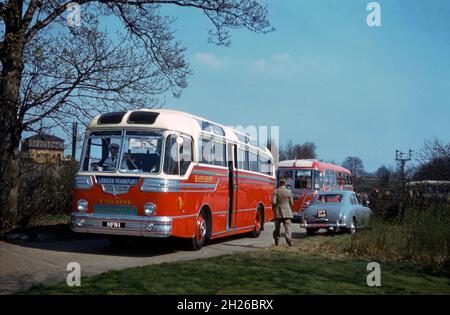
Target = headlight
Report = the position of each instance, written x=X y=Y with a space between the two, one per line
x=149 y=208
x=82 y=205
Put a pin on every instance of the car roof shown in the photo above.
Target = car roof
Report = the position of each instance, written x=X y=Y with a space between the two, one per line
x=336 y=192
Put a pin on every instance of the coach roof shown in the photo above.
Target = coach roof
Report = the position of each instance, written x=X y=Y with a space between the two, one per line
x=165 y=119
x=301 y=163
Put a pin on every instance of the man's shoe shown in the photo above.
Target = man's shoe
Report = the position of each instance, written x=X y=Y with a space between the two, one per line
x=277 y=242
x=289 y=242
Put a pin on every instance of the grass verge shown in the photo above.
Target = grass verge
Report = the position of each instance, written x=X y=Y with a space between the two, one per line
x=282 y=270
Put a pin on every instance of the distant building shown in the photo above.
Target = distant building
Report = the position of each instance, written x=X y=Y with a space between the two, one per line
x=44 y=148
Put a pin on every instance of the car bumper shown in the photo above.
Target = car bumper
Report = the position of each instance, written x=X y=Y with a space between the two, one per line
x=131 y=225
x=323 y=225
x=297 y=217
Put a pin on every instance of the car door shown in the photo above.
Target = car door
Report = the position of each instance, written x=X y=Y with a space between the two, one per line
x=363 y=213
x=355 y=209
x=367 y=215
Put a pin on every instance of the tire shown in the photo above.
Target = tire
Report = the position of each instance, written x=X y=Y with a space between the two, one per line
x=259 y=223
x=353 y=228
x=201 y=231
x=310 y=232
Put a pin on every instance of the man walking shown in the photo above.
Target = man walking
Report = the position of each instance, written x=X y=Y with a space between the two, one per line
x=281 y=205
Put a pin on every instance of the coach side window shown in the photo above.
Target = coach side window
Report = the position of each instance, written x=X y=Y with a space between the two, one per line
x=253 y=158
x=171 y=157
x=243 y=159
x=186 y=155
x=178 y=155
x=205 y=148
x=212 y=151
x=264 y=165
x=219 y=153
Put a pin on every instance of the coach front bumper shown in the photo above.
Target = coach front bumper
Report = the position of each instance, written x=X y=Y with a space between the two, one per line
x=129 y=225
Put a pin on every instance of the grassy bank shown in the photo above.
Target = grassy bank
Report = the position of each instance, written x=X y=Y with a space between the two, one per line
x=421 y=237
x=297 y=270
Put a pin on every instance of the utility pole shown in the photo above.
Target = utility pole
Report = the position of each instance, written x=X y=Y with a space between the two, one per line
x=401 y=159
x=74 y=139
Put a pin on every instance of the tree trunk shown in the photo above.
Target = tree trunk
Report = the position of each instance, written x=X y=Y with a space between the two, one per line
x=11 y=126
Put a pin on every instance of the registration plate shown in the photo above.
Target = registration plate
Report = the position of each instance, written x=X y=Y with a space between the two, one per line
x=113 y=225
x=321 y=213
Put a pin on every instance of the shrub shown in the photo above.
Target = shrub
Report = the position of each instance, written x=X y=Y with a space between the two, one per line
x=421 y=236
x=45 y=190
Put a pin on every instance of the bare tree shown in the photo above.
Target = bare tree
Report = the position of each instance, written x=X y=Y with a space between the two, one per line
x=434 y=159
x=292 y=151
x=355 y=165
x=384 y=176
x=56 y=72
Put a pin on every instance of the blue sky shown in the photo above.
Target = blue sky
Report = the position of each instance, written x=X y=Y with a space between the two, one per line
x=325 y=76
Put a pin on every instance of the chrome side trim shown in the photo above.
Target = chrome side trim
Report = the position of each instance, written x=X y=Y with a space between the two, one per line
x=220 y=212
x=159 y=184
x=183 y=216
x=201 y=172
x=233 y=230
x=172 y=185
x=246 y=210
x=266 y=180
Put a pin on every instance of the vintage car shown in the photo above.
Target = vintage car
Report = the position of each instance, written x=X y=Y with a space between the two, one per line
x=336 y=210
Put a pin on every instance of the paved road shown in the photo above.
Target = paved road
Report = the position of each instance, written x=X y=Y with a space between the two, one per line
x=23 y=264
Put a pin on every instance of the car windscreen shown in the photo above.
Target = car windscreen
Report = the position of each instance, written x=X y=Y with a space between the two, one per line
x=329 y=198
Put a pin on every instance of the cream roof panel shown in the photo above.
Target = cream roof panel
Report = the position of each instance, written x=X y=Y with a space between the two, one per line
x=170 y=120
x=296 y=163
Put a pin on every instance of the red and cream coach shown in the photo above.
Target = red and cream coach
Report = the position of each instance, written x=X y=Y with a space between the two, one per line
x=161 y=173
x=308 y=177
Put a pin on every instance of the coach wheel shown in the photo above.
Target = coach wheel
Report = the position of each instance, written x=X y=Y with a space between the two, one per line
x=201 y=231
x=259 y=223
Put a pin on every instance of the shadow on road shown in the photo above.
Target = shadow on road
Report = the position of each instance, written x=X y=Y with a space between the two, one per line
x=62 y=239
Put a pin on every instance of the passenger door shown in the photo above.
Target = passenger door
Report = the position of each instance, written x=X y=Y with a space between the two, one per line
x=232 y=185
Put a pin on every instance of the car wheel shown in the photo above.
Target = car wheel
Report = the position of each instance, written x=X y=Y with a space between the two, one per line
x=310 y=232
x=259 y=223
x=201 y=231
x=352 y=229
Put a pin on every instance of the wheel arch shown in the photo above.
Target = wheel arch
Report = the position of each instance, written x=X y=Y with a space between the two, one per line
x=208 y=213
x=263 y=210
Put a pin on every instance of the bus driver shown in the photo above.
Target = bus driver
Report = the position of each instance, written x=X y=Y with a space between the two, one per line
x=111 y=162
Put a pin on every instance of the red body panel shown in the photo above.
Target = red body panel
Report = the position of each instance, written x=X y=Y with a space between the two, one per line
x=184 y=205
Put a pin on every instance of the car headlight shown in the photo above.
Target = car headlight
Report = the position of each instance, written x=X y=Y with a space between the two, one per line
x=149 y=208
x=82 y=205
